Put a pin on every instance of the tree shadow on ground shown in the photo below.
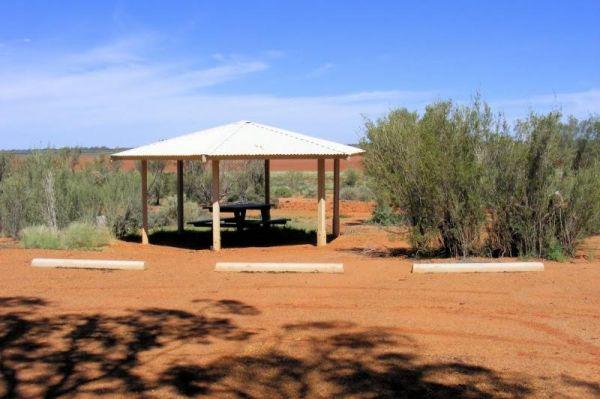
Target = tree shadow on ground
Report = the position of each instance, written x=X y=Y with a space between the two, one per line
x=339 y=359
x=399 y=252
x=46 y=354
x=591 y=388
x=231 y=238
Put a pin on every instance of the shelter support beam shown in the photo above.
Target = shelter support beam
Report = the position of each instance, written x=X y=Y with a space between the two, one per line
x=180 y=197
x=144 y=230
x=336 y=198
x=321 y=222
x=267 y=181
x=216 y=211
x=268 y=185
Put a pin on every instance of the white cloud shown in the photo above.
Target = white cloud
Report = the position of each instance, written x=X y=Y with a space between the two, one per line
x=113 y=95
x=117 y=95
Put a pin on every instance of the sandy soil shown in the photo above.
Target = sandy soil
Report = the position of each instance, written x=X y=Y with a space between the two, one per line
x=347 y=207
x=180 y=329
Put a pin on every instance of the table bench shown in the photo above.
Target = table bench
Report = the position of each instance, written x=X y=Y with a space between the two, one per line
x=239 y=219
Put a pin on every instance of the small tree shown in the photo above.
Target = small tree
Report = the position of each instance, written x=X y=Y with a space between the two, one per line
x=468 y=185
x=429 y=168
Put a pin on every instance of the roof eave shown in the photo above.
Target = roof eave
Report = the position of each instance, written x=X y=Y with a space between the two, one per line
x=116 y=157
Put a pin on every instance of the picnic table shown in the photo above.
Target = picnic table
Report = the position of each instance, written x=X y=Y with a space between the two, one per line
x=239 y=220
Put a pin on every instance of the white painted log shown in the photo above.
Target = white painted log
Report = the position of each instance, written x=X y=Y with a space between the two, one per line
x=89 y=264
x=321 y=222
x=279 y=267
x=498 y=267
x=216 y=210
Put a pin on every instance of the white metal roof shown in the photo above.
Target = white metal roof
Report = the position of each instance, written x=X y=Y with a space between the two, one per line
x=240 y=140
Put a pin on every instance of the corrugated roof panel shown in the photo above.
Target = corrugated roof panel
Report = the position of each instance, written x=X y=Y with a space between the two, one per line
x=242 y=139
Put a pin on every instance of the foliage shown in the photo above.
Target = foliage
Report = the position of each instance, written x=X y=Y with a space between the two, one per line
x=239 y=181
x=5 y=163
x=51 y=188
x=197 y=181
x=471 y=186
x=282 y=191
x=75 y=236
x=356 y=193
x=295 y=180
x=40 y=237
x=85 y=236
x=243 y=181
x=555 y=252
x=161 y=183
x=384 y=215
x=166 y=215
x=350 y=177
x=544 y=190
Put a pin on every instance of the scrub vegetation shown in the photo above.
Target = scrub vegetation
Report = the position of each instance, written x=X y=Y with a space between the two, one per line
x=48 y=196
x=463 y=180
x=75 y=236
x=50 y=188
x=467 y=183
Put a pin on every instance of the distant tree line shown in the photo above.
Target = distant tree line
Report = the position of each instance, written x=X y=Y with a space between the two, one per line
x=94 y=150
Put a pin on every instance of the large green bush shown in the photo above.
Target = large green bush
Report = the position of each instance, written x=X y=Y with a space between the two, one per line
x=469 y=185
x=544 y=186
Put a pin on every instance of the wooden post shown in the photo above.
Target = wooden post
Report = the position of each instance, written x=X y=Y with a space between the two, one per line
x=180 y=197
x=216 y=212
x=321 y=223
x=267 y=214
x=267 y=181
x=144 y=231
x=336 y=197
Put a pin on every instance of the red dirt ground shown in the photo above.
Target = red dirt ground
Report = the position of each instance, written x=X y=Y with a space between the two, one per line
x=309 y=204
x=178 y=329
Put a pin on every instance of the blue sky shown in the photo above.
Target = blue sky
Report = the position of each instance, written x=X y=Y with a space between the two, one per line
x=125 y=73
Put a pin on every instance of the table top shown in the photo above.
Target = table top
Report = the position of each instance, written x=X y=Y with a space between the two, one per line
x=240 y=206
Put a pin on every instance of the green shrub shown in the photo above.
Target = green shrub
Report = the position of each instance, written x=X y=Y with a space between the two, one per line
x=13 y=206
x=295 y=181
x=85 y=236
x=40 y=237
x=556 y=253
x=544 y=190
x=469 y=185
x=166 y=214
x=428 y=167
x=76 y=236
x=282 y=191
x=197 y=182
x=239 y=181
x=50 y=188
x=356 y=193
x=350 y=178
x=385 y=216
x=244 y=181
